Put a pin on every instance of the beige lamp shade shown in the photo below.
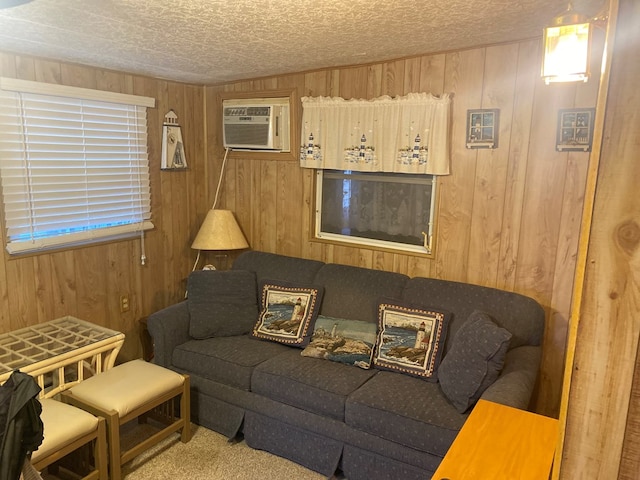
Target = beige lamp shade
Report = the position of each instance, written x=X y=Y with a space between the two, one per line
x=219 y=231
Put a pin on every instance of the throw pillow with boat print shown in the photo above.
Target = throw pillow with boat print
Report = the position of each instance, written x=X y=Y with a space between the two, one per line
x=287 y=312
x=340 y=340
x=410 y=339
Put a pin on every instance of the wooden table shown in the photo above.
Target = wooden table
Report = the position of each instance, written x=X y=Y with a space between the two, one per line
x=59 y=353
x=501 y=443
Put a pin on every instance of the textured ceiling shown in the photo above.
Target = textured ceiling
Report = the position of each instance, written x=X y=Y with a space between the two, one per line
x=216 y=41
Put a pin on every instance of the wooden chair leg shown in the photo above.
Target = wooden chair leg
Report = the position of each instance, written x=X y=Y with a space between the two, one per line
x=100 y=452
x=113 y=442
x=185 y=410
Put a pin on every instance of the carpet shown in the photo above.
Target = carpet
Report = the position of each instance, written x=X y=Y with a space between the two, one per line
x=209 y=456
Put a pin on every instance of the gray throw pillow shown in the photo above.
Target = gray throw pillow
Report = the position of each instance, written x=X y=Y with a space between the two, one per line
x=474 y=361
x=222 y=303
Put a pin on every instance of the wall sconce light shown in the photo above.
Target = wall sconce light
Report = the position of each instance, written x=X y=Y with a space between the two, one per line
x=567 y=45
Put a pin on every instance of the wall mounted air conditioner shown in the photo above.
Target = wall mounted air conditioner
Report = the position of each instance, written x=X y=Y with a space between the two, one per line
x=259 y=124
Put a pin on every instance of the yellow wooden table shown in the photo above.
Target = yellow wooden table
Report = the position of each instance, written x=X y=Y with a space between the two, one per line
x=501 y=443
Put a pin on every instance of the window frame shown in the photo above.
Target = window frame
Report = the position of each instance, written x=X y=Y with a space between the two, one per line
x=427 y=249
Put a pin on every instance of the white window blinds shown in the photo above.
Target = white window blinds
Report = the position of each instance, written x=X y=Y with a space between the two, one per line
x=73 y=165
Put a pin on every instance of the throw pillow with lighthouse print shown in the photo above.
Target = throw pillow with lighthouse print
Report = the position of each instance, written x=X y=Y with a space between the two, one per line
x=287 y=312
x=410 y=339
x=342 y=340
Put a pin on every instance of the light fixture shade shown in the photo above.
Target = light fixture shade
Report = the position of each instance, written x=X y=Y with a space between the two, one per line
x=567 y=44
x=219 y=231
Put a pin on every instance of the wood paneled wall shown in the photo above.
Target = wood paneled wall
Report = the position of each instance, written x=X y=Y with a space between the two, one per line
x=87 y=282
x=508 y=218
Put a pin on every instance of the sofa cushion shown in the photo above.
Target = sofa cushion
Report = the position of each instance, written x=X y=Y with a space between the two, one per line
x=406 y=410
x=474 y=360
x=410 y=339
x=226 y=360
x=221 y=303
x=354 y=292
x=287 y=312
x=341 y=340
x=521 y=315
x=277 y=267
x=310 y=384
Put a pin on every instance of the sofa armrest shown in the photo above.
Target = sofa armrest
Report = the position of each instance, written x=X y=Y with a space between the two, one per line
x=514 y=387
x=168 y=328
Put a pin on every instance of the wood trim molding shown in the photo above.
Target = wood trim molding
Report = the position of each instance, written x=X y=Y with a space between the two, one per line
x=583 y=247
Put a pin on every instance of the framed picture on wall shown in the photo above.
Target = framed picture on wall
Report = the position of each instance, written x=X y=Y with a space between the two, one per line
x=482 y=128
x=575 y=130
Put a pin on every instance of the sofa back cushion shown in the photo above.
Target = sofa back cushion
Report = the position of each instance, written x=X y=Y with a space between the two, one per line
x=520 y=315
x=221 y=303
x=354 y=292
x=271 y=266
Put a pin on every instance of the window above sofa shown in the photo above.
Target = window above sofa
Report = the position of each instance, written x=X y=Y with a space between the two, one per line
x=377 y=161
x=383 y=210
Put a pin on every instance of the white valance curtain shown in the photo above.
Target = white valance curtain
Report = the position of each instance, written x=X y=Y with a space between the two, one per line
x=408 y=134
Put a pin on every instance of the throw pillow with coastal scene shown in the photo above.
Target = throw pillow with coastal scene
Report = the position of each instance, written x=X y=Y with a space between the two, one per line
x=287 y=312
x=410 y=339
x=341 y=340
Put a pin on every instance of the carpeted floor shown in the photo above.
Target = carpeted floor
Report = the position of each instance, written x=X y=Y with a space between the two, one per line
x=209 y=456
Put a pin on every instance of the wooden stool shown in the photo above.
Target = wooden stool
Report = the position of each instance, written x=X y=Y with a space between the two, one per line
x=67 y=428
x=132 y=390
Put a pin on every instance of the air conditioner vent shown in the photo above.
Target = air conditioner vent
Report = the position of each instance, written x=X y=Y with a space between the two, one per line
x=247 y=134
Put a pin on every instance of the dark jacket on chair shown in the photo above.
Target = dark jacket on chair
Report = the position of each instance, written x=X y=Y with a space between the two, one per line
x=21 y=429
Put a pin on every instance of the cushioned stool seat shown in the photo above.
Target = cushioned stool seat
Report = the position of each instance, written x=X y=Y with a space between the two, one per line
x=66 y=428
x=132 y=390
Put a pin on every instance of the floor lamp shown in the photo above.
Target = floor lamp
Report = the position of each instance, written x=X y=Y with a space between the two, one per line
x=220 y=230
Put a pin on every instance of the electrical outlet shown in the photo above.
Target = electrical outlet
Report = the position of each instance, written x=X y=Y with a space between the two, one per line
x=124 y=303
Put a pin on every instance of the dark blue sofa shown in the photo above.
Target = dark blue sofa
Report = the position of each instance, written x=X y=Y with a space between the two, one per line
x=371 y=424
